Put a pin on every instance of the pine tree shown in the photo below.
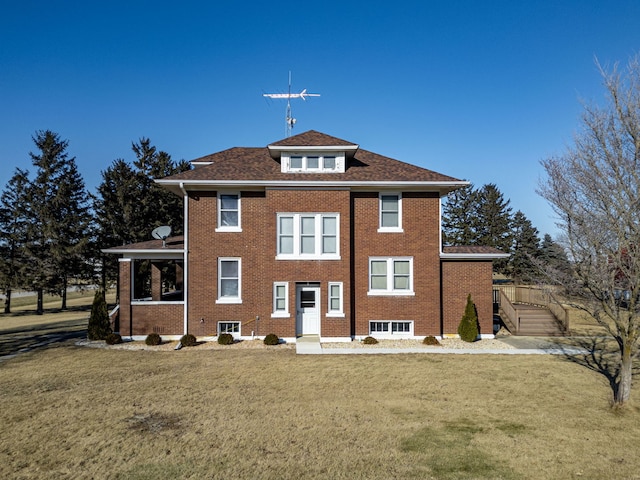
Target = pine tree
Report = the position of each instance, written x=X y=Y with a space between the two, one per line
x=129 y=204
x=494 y=223
x=526 y=248
x=459 y=217
x=59 y=218
x=99 y=325
x=553 y=260
x=468 y=327
x=13 y=236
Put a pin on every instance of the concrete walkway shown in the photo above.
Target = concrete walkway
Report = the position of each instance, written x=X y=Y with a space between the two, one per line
x=521 y=346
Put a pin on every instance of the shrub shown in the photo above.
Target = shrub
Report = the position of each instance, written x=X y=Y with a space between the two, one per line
x=99 y=325
x=153 y=339
x=225 y=339
x=113 y=339
x=369 y=341
x=430 y=340
x=468 y=328
x=271 y=339
x=188 y=340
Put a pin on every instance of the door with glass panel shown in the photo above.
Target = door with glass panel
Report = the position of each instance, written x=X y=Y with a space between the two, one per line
x=307 y=310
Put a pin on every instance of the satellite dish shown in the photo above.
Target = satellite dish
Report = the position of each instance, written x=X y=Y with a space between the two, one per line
x=162 y=233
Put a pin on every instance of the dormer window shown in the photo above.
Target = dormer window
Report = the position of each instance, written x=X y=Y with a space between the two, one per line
x=313 y=162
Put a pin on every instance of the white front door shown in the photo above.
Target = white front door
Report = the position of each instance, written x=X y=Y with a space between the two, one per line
x=307 y=310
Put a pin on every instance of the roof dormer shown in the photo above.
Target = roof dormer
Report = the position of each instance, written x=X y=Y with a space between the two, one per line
x=312 y=152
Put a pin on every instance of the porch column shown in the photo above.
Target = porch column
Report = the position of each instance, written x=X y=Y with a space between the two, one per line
x=156 y=281
x=124 y=294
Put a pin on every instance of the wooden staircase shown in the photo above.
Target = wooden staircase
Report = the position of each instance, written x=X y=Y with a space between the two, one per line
x=537 y=322
x=526 y=312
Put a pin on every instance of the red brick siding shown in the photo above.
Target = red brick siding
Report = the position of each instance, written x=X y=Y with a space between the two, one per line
x=124 y=295
x=459 y=279
x=420 y=240
x=256 y=246
x=164 y=319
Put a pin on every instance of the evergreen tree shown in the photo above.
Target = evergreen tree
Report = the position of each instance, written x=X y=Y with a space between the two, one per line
x=468 y=327
x=13 y=228
x=59 y=218
x=129 y=204
x=494 y=223
x=553 y=260
x=99 y=325
x=459 y=217
x=526 y=248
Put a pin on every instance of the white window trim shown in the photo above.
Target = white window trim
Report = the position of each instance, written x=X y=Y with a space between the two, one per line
x=281 y=313
x=286 y=167
x=318 y=236
x=237 y=299
x=389 y=333
x=340 y=311
x=225 y=228
x=397 y=229
x=389 y=291
x=237 y=334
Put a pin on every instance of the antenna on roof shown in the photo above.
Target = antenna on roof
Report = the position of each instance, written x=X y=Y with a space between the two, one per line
x=162 y=233
x=289 y=120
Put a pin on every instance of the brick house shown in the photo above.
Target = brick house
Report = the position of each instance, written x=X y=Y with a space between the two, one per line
x=310 y=235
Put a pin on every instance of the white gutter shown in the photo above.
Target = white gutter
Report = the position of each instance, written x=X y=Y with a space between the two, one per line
x=185 y=261
x=473 y=256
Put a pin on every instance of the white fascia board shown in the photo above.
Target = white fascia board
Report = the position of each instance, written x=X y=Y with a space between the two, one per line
x=276 y=150
x=172 y=254
x=473 y=256
x=208 y=184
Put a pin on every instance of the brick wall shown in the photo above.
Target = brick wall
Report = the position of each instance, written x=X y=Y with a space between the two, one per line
x=161 y=318
x=256 y=246
x=124 y=294
x=420 y=240
x=459 y=279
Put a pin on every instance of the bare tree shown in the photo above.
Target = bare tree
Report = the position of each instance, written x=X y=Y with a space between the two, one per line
x=594 y=188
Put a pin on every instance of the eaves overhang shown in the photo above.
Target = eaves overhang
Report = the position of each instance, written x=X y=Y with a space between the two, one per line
x=473 y=256
x=276 y=150
x=203 y=185
x=147 y=254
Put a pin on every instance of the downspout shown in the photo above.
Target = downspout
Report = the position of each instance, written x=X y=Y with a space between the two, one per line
x=185 y=258
x=440 y=266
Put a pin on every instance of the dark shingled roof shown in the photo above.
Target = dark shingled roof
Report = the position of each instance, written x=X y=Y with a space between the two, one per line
x=253 y=164
x=311 y=138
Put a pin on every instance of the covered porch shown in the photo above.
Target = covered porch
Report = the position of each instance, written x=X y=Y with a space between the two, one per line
x=151 y=289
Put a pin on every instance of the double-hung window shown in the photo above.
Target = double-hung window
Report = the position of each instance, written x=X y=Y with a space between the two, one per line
x=390 y=212
x=280 y=299
x=308 y=236
x=335 y=308
x=228 y=212
x=391 y=276
x=229 y=280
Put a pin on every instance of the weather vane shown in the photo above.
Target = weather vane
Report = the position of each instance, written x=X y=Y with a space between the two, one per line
x=289 y=120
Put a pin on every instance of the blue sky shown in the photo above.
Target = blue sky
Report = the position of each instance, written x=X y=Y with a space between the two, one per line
x=479 y=90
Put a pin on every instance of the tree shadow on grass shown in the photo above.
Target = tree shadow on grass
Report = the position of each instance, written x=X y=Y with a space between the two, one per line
x=601 y=356
x=28 y=338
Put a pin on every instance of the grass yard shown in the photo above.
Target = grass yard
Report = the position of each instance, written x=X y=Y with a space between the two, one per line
x=78 y=412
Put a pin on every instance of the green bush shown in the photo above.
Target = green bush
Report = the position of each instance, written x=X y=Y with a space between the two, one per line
x=188 y=340
x=369 y=341
x=99 y=324
x=113 y=339
x=153 y=339
x=271 y=339
x=430 y=340
x=468 y=328
x=225 y=339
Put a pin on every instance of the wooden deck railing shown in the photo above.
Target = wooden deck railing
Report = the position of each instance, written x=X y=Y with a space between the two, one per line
x=542 y=297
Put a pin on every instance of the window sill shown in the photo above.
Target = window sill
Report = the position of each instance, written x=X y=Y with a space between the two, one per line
x=281 y=315
x=396 y=293
x=308 y=257
x=390 y=230
x=229 y=229
x=229 y=300
x=335 y=315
